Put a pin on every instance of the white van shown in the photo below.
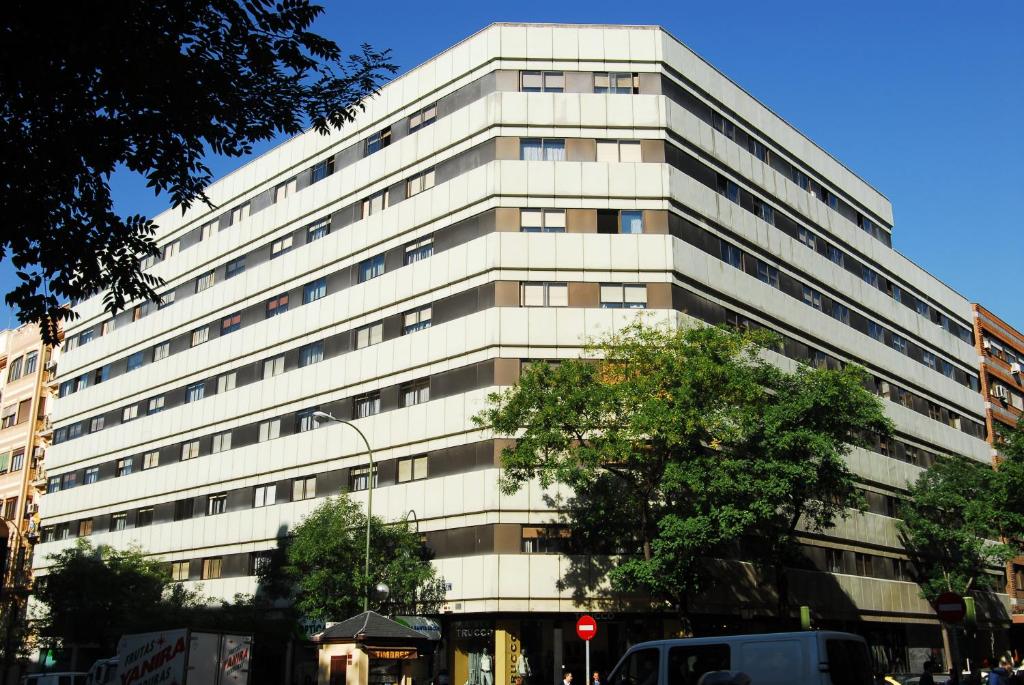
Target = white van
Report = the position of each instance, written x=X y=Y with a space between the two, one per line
x=804 y=658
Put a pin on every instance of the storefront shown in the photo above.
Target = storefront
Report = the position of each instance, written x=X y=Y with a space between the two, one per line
x=370 y=649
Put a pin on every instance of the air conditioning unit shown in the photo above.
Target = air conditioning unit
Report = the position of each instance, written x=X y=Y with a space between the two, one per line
x=51 y=366
x=32 y=509
x=1015 y=368
x=986 y=345
x=1001 y=392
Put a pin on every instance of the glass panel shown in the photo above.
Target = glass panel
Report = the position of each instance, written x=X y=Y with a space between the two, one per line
x=629 y=151
x=532 y=81
x=558 y=295
x=530 y=149
x=533 y=295
x=632 y=222
x=531 y=218
x=635 y=294
x=607 y=151
x=611 y=293
x=554 y=150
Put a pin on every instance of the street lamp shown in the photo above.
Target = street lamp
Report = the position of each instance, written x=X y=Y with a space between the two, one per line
x=324 y=417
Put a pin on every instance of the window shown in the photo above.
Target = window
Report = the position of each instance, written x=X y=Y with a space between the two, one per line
x=47 y=534
x=415 y=392
x=84 y=528
x=764 y=211
x=542 y=82
x=318 y=230
x=894 y=291
x=52 y=484
x=118 y=521
x=68 y=480
x=366 y=405
x=544 y=295
x=836 y=255
x=206 y=230
x=171 y=249
x=144 y=517
x=371 y=268
x=542 y=149
x=898 y=343
x=200 y=335
x=828 y=198
x=420 y=182
x=216 y=504
x=867 y=225
x=260 y=563
x=226 y=382
x=369 y=335
x=195 y=392
x=221 y=442
x=801 y=179
x=809 y=239
x=311 y=353
x=723 y=126
x=97 y=424
x=929 y=360
x=66 y=388
x=304 y=421
x=377 y=202
x=412 y=468
x=161 y=351
x=273 y=367
x=424 y=117
x=876 y=331
x=102 y=374
x=869 y=275
x=31 y=360
x=542 y=221
x=184 y=508
x=150 y=460
x=264 y=495
x=279 y=247
x=189 y=450
x=134 y=361
x=10 y=415
x=865 y=564
x=689 y=664
x=378 y=141
x=923 y=309
x=239 y=213
x=212 y=567
x=616 y=82
x=833 y=560
x=757 y=149
x=729 y=189
x=321 y=170
x=74 y=431
x=359 y=478
x=840 y=312
x=82 y=382
x=124 y=467
x=947 y=370
x=83 y=338
x=618 y=151
x=269 y=430
x=416 y=320
x=156 y=404
x=92 y=474
x=812 y=298
x=314 y=291
x=283 y=190
x=767 y=274
x=205 y=281
x=230 y=324
x=303 y=488
x=416 y=251
x=639 y=668
x=5 y=457
x=11 y=509
x=147 y=262
x=732 y=255
x=234 y=267
x=623 y=296
x=179 y=571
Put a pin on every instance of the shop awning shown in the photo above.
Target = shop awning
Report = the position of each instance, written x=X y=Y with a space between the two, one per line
x=371 y=627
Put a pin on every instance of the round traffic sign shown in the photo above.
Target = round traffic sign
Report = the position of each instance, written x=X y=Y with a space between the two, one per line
x=586 y=627
x=950 y=607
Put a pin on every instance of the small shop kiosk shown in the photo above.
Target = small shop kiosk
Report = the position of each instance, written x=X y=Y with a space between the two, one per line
x=370 y=649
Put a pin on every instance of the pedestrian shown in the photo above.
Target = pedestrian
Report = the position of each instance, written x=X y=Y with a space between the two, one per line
x=1000 y=675
x=595 y=679
x=567 y=678
x=926 y=674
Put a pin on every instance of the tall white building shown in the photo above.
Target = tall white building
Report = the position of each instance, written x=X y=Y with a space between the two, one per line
x=527 y=187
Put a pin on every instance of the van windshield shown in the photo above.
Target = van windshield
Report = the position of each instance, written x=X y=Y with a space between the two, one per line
x=639 y=668
x=848 y=662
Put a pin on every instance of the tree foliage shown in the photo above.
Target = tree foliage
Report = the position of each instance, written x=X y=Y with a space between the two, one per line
x=678 y=443
x=325 y=559
x=152 y=87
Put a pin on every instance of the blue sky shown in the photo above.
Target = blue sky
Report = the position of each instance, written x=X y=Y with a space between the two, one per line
x=923 y=99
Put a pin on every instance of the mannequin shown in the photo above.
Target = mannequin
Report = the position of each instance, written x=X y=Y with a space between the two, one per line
x=486 y=668
x=523 y=666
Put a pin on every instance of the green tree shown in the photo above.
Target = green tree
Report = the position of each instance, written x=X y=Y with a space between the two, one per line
x=151 y=87
x=324 y=562
x=677 y=444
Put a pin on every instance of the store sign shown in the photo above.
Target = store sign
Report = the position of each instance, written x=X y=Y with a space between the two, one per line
x=392 y=653
x=471 y=630
x=426 y=627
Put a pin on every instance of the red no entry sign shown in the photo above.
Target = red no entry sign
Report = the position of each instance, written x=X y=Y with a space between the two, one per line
x=586 y=627
x=950 y=607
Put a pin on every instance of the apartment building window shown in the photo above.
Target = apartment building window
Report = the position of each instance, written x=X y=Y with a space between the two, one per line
x=68 y=480
x=898 y=343
x=92 y=474
x=630 y=222
x=195 y=392
x=161 y=351
x=899 y=570
x=260 y=563
x=764 y=211
x=729 y=189
x=147 y=262
x=618 y=151
x=377 y=202
x=311 y=353
x=239 y=213
x=285 y=189
x=929 y=360
x=542 y=221
x=828 y=197
x=757 y=149
x=318 y=230
x=841 y=313
x=623 y=296
x=544 y=539
x=221 y=442
x=867 y=225
x=894 y=291
x=226 y=382
x=321 y=170
x=801 y=179
x=808 y=238
x=137 y=313
x=212 y=568
x=542 y=149
x=303 y=488
x=124 y=467
x=723 y=126
x=66 y=388
x=620 y=82
x=101 y=374
x=277 y=305
x=234 y=267
x=359 y=478
x=767 y=273
x=200 y=335
x=270 y=430
x=416 y=320
x=420 y=182
x=10 y=416
x=216 y=504
x=97 y=424
x=189 y=450
x=184 y=509
x=415 y=392
x=836 y=255
x=5 y=457
x=869 y=275
x=369 y=335
x=150 y=460
x=144 y=517
x=371 y=268
x=304 y=421
x=418 y=250
x=155 y=405
x=273 y=367
x=171 y=249
x=544 y=295
x=206 y=230
x=47 y=534
x=366 y=405
x=812 y=298
x=732 y=255
x=923 y=309
x=264 y=495
x=542 y=81
x=74 y=431
x=876 y=331
x=834 y=560
x=63 y=531
x=179 y=571
x=314 y=291
x=83 y=338
x=11 y=509
x=412 y=468
x=52 y=484
x=31 y=360
x=865 y=564
x=947 y=370
x=205 y=281
x=281 y=246
x=118 y=521
x=230 y=324
x=134 y=361
x=85 y=528
x=378 y=141
x=424 y=117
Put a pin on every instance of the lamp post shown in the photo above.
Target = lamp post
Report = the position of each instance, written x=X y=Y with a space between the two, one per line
x=324 y=417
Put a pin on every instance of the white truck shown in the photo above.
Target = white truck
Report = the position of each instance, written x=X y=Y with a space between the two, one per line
x=176 y=657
